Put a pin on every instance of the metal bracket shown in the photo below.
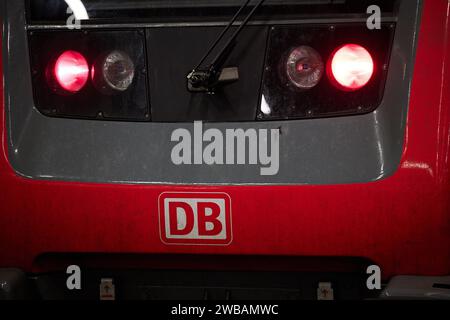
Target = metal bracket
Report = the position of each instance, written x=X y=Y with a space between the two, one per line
x=207 y=81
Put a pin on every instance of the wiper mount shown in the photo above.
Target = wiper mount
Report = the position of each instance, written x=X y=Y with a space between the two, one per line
x=207 y=80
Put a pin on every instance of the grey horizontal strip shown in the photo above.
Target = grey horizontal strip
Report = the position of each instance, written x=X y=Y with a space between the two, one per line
x=445 y=286
x=203 y=24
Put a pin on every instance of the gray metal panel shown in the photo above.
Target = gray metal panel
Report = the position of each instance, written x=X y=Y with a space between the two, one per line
x=417 y=288
x=13 y=284
x=321 y=151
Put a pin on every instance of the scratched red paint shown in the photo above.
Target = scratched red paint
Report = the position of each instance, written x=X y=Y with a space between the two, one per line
x=401 y=223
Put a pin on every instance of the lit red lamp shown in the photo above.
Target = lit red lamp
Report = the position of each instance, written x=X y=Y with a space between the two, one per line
x=71 y=71
x=351 y=67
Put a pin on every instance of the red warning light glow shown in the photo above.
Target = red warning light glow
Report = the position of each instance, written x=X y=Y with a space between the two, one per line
x=71 y=71
x=352 y=67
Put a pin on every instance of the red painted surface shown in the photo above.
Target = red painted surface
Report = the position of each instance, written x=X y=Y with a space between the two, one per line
x=401 y=223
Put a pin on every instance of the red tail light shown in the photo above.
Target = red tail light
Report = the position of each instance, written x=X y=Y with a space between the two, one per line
x=351 y=66
x=90 y=75
x=71 y=71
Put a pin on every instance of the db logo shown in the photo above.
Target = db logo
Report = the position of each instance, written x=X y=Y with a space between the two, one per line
x=195 y=218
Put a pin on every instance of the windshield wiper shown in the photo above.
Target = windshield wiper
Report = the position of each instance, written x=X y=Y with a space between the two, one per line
x=206 y=80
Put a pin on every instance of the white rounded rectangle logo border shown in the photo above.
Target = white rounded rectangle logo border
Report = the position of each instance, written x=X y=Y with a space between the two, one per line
x=201 y=196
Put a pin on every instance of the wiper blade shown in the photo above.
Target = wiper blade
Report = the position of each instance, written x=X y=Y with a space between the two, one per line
x=222 y=34
x=207 y=80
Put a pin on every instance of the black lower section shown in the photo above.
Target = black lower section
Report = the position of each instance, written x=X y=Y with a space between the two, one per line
x=198 y=285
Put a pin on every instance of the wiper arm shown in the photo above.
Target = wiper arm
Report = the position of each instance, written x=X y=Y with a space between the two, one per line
x=208 y=79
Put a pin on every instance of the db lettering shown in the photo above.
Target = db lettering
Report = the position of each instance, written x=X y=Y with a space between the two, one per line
x=195 y=218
